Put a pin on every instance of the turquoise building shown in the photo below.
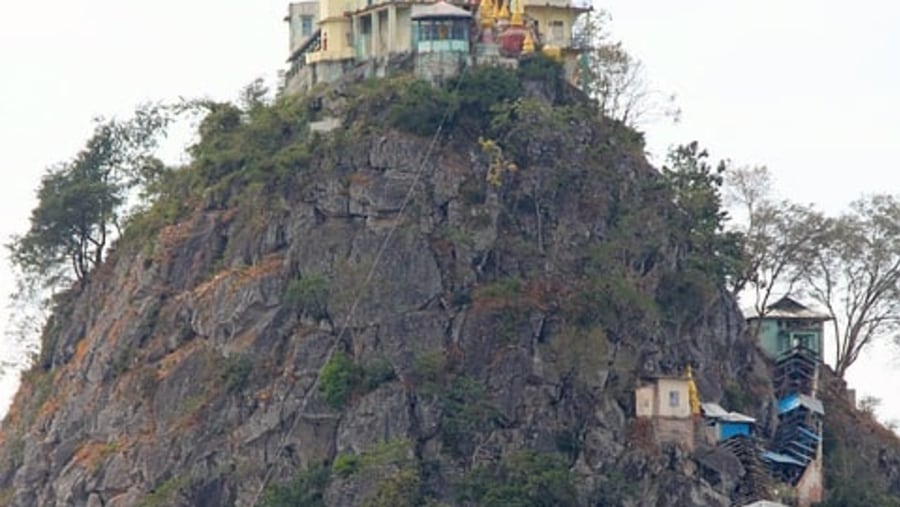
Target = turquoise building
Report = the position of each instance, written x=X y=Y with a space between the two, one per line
x=788 y=325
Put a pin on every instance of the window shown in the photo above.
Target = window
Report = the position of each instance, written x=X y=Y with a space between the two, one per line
x=674 y=398
x=306 y=25
x=556 y=32
x=459 y=31
x=443 y=30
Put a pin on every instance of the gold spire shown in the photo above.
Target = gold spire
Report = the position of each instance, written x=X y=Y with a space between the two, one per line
x=486 y=11
x=503 y=12
x=518 y=14
x=693 y=394
x=528 y=43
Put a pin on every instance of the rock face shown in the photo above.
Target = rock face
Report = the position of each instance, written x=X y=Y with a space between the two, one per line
x=400 y=320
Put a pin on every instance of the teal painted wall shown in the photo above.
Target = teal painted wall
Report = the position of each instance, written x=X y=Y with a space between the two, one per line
x=768 y=337
x=777 y=336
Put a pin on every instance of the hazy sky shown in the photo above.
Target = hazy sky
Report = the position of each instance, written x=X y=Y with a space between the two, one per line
x=810 y=88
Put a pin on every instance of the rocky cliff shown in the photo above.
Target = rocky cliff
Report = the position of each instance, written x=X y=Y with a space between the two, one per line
x=377 y=316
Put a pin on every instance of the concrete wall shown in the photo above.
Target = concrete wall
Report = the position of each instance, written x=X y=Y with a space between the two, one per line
x=664 y=397
x=296 y=13
x=673 y=399
x=644 y=401
x=810 y=488
x=435 y=67
x=545 y=15
x=335 y=8
x=301 y=80
x=676 y=431
x=403 y=34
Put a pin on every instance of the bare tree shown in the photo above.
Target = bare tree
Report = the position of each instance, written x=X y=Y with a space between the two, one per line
x=780 y=237
x=855 y=276
x=614 y=78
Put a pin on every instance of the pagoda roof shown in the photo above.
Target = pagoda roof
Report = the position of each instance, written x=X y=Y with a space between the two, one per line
x=439 y=10
x=789 y=308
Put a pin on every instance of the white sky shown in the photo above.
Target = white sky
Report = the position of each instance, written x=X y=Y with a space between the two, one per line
x=810 y=88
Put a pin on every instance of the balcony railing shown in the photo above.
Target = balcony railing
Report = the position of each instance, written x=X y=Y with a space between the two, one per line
x=572 y=4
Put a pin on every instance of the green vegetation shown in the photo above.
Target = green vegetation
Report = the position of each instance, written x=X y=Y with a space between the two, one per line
x=849 y=477
x=524 y=479
x=466 y=413
x=429 y=369
x=737 y=397
x=399 y=488
x=236 y=371
x=345 y=464
x=614 y=490
x=307 y=489
x=394 y=467
x=569 y=443
x=466 y=104
x=309 y=295
x=700 y=222
x=504 y=290
x=165 y=493
x=396 y=452
x=80 y=201
x=422 y=108
x=342 y=377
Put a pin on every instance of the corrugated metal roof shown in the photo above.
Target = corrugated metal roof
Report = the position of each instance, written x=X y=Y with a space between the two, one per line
x=439 y=10
x=715 y=411
x=793 y=401
x=737 y=417
x=787 y=308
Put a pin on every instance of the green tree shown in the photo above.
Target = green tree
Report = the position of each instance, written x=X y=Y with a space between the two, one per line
x=307 y=489
x=523 y=479
x=80 y=202
x=696 y=190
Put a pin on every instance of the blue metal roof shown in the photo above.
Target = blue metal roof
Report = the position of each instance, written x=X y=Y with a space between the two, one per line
x=795 y=400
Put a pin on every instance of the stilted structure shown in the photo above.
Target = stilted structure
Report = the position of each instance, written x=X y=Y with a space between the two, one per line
x=792 y=335
x=796 y=371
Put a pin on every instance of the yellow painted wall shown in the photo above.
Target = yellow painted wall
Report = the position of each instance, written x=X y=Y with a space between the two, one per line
x=655 y=400
x=545 y=14
x=666 y=386
x=334 y=8
x=403 y=35
x=644 y=401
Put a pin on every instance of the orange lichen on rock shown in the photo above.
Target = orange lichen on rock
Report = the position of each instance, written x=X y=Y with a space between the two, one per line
x=168 y=363
x=80 y=352
x=91 y=454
